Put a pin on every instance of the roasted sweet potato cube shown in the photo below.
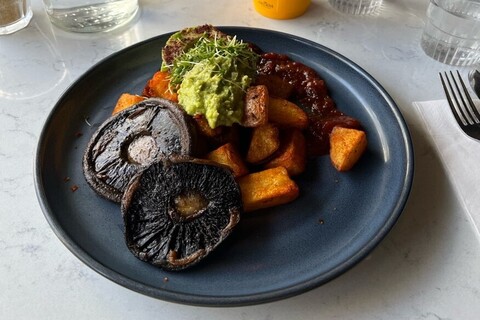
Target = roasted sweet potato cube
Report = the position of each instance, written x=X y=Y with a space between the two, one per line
x=286 y=114
x=228 y=155
x=277 y=86
x=159 y=87
x=264 y=142
x=126 y=100
x=346 y=147
x=256 y=106
x=292 y=154
x=267 y=188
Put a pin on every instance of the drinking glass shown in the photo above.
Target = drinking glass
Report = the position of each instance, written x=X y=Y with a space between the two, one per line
x=90 y=15
x=358 y=7
x=14 y=15
x=452 y=32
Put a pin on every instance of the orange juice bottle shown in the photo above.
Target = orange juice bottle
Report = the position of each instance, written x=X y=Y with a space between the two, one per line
x=281 y=9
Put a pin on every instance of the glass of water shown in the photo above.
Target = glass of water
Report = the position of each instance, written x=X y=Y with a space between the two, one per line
x=357 y=7
x=452 y=32
x=14 y=15
x=90 y=15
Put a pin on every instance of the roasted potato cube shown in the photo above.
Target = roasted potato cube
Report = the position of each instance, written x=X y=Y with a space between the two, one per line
x=267 y=188
x=126 y=100
x=204 y=128
x=277 y=87
x=159 y=87
x=346 y=147
x=256 y=106
x=292 y=154
x=228 y=155
x=286 y=114
x=264 y=142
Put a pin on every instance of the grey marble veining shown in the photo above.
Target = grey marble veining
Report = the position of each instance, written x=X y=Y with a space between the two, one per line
x=426 y=268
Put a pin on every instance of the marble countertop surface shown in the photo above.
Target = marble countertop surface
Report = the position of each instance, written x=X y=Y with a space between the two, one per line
x=428 y=267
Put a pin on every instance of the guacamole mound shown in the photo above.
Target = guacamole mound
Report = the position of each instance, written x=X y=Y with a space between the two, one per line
x=215 y=88
x=212 y=75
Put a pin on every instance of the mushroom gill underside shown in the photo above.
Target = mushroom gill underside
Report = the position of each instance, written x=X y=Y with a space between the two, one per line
x=177 y=211
x=131 y=140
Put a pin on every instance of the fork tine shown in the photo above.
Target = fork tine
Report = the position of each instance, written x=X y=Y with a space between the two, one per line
x=458 y=96
x=473 y=109
x=464 y=108
x=461 y=107
x=449 y=98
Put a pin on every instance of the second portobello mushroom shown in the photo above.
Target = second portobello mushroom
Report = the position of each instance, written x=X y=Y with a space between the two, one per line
x=178 y=210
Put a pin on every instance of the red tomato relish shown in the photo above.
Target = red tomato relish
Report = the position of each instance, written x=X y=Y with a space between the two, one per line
x=312 y=94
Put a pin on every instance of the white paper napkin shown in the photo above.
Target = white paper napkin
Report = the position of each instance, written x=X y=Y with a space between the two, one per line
x=459 y=153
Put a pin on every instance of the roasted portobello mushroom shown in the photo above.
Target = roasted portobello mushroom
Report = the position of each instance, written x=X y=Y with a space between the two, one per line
x=131 y=140
x=178 y=210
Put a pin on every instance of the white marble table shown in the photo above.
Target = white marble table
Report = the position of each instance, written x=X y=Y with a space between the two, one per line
x=428 y=267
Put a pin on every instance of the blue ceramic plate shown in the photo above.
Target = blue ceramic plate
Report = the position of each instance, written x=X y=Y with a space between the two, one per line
x=337 y=220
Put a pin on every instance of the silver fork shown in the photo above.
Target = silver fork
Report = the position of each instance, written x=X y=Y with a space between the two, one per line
x=461 y=104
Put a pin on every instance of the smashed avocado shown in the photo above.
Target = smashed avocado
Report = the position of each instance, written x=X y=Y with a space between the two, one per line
x=212 y=77
x=215 y=88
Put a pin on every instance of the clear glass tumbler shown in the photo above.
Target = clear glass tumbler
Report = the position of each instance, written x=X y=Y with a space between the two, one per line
x=452 y=32
x=90 y=15
x=358 y=7
x=14 y=15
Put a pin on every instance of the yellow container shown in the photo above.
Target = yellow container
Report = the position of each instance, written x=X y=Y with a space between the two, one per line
x=281 y=9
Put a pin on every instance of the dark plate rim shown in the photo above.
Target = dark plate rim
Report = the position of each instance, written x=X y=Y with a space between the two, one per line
x=239 y=300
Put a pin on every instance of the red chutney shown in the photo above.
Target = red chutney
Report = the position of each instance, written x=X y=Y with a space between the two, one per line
x=311 y=92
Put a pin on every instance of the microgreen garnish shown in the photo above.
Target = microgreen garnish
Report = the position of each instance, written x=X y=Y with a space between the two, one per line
x=207 y=48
